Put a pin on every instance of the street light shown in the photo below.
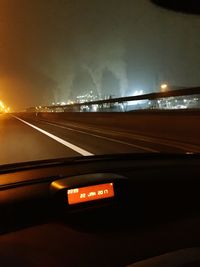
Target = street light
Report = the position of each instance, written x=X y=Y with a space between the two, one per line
x=164 y=87
x=2 y=105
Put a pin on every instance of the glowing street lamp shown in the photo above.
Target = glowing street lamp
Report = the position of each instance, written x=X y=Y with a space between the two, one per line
x=164 y=87
x=4 y=108
x=2 y=105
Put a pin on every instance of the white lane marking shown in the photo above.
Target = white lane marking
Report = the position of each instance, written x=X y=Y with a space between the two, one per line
x=58 y=139
x=172 y=143
x=105 y=138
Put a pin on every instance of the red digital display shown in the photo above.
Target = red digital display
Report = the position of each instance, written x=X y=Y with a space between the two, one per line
x=90 y=193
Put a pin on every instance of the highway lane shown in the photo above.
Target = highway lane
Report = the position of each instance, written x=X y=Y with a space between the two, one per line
x=20 y=143
x=25 y=140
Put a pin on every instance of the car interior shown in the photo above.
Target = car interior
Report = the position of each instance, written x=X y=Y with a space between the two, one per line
x=111 y=210
x=138 y=210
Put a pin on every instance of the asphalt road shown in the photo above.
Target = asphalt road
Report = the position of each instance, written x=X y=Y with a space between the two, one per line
x=23 y=140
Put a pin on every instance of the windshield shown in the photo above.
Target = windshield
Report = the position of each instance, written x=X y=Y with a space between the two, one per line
x=96 y=77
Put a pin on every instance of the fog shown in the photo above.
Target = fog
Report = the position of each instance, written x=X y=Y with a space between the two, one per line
x=52 y=51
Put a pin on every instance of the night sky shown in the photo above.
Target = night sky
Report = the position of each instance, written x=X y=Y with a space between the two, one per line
x=53 y=50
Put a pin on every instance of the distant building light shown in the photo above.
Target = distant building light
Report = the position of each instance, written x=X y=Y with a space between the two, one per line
x=95 y=107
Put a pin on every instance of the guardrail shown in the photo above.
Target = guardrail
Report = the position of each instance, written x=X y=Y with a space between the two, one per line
x=152 y=97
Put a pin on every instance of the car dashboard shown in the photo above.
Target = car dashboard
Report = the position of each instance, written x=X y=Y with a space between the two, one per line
x=113 y=210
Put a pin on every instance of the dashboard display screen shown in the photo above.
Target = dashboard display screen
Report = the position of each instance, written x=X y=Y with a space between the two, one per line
x=90 y=193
